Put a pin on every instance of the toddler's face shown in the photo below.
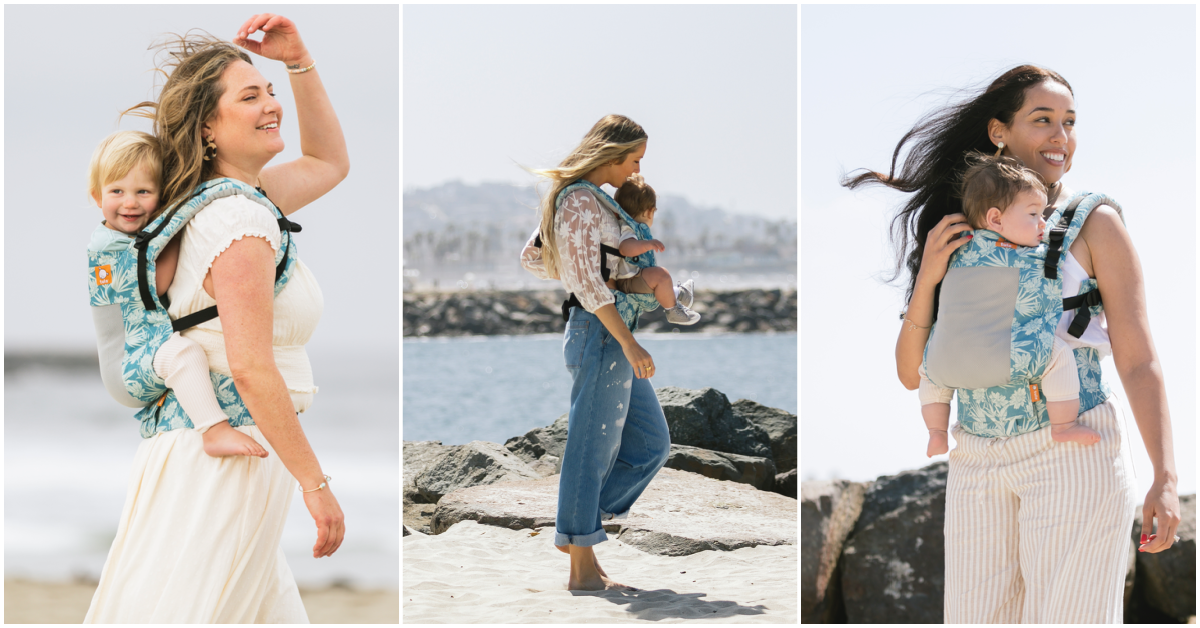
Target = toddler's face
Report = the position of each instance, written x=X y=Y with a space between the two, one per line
x=1022 y=222
x=128 y=202
x=647 y=217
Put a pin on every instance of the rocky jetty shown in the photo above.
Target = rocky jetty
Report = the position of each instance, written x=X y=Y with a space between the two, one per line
x=874 y=552
x=480 y=313
x=716 y=497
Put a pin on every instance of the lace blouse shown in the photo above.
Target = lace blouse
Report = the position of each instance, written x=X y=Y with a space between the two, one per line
x=580 y=225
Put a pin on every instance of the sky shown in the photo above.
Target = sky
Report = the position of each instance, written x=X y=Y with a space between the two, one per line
x=867 y=74
x=489 y=87
x=67 y=76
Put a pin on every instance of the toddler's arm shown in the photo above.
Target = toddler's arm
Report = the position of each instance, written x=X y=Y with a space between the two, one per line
x=164 y=266
x=633 y=248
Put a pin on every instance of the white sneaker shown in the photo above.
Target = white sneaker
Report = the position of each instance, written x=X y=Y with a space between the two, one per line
x=683 y=293
x=680 y=315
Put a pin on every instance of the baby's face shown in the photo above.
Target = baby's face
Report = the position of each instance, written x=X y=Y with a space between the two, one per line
x=128 y=202
x=647 y=217
x=1021 y=222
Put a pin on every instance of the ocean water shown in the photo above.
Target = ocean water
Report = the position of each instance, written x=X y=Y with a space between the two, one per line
x=495 y=387
x=68 y=451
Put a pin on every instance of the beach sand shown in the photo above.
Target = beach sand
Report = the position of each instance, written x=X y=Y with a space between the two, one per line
x=28 y=602
x=475 y=573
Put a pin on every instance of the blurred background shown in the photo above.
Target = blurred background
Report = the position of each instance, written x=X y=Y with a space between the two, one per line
x=68 y=74
x=1136 y=130
x=488 y=89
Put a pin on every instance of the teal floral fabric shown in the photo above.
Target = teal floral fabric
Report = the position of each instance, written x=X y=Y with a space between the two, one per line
x=1009 y=410
x=629 y=306
x=113 y=279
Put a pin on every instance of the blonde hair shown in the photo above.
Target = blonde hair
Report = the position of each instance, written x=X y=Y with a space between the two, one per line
x=994 y=182
x=635 y=196
x=608 y=142
x=120 y=153
x=194 y=69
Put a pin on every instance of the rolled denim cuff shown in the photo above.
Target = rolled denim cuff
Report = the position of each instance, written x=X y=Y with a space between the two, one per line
x=608 y=516
x=581 y=540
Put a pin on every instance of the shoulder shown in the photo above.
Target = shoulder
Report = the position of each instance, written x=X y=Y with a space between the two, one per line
x=232 y=218
x=578 y=199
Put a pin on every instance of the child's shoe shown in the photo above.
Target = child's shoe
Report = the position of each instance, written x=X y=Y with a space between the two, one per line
x=680 y=315
x=683 y=293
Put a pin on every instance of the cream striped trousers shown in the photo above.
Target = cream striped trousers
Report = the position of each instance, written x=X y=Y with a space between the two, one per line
x=1038 y=531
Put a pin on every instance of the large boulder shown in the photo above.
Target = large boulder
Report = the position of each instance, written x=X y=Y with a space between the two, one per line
x=780 y=427
x=477 y=462
x=828 y=511
x=1167 y=579
x=541 y=442
x=893 y=565
x=418 y=456
x=704 y=418
x=679 y=514
x=755 y=471
x=785 y=484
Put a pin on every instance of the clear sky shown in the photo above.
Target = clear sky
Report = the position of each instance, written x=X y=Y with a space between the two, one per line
x=714 y=87
x=867 y=74
x=69 y=72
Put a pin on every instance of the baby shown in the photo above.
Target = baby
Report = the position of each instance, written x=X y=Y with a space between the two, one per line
x=988 y=185
x=638 y=200
x=124 y=180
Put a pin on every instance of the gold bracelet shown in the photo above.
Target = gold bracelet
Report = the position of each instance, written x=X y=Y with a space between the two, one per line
x=915 y=326
x=301 y=70
x=323 y=485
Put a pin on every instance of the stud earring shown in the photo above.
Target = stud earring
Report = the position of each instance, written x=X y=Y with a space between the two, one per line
x=999 y=149
x=210 y=145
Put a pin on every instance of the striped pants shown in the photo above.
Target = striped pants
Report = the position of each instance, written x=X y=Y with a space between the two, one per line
x=1039 y=531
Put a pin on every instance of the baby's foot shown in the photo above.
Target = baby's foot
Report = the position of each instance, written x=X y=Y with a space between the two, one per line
x=222 y=440
x=680 y=315
x=683 y=293
x=1074 y=432
x=938 y=443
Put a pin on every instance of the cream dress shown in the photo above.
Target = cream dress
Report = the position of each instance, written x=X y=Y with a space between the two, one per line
x=198 y=540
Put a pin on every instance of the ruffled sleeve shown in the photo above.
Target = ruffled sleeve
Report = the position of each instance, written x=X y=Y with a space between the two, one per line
x=227 y=220
x=578 y=224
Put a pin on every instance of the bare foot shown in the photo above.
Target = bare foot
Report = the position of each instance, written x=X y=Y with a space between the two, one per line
x=585 y=576
x=599 y=583
x=566 y=550
x=938 y=443
x=1073 y=432
x=222 y=440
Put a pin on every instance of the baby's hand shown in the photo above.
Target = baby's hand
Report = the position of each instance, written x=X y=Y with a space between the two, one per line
x=656 y=245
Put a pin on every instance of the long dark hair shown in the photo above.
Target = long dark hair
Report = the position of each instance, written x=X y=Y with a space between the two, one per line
x=941 y=141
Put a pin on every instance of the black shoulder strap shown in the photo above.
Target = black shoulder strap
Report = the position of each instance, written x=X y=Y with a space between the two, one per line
x=1083 y=316
x=1057 y=235
x=142 y=243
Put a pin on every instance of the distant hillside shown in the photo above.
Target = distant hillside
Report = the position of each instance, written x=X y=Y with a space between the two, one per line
x=455 y=228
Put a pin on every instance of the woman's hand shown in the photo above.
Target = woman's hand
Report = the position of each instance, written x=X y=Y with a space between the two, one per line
x=327 y=514
x=639 y=359
x=1162 y=502
x=281 y=40
x=939 y=244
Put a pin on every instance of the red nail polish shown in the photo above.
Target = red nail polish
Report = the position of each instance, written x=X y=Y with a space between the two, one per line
x=1143 y=538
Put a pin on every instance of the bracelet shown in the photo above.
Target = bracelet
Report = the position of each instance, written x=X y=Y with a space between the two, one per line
x=323 y=485
x=915 y=326
x=301 y=70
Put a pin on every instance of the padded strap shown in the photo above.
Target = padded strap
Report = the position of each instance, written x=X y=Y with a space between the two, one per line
x=1058 y=235
x=142 y=243
x=1084 y=316
x=195 y=318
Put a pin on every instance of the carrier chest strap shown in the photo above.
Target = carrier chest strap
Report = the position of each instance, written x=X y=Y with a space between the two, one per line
x=1084 y=315
x=1057 y=235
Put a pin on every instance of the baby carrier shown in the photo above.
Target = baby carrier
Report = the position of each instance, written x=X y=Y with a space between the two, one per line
x=629 y=306
x=999 y=307
x=132 y=321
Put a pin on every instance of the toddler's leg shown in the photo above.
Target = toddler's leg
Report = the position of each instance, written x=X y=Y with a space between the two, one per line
x=1060 y=385
x=183 y=365
x=658 y=281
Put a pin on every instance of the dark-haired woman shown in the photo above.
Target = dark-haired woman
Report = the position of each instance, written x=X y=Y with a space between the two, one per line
x=199 y=537
x=1036 y=532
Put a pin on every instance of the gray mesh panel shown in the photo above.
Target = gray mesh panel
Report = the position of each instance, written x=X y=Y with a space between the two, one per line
x=971 y=344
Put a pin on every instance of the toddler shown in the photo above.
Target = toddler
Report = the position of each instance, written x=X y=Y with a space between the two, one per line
x=638 y=200
x=124 y=180
x=989 y=185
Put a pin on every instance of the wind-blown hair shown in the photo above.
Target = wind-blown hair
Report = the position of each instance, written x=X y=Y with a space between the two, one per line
x=194 y=66
x=120 y=153
x=609 y=141
x=940 y=142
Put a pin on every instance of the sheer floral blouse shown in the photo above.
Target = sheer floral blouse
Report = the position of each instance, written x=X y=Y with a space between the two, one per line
x=581 y=224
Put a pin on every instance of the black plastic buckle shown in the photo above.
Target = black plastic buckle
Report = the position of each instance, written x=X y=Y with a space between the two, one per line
x=142 y=239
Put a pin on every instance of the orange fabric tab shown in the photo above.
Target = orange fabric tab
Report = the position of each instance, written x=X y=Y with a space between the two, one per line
x=103 y=275
x=1005 y=244
x=1034 y=394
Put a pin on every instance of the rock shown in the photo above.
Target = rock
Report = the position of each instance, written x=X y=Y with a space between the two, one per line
x=1167 y=580
x=785 y=484
x=477 y=462
x=419 y=516
x=547 y=465
x=704 y=418
x=780 y=427
x=542 y=441
x=755 y=471
x=411 y=532
x=828 y=511
x=893 y=565
x=679 y=514
x=418 y=456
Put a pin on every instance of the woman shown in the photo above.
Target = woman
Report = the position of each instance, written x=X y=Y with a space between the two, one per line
x=1035 y=532
x=617 y=436
x=198 y=540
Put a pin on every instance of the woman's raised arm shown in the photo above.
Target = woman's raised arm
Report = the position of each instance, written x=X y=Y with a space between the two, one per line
x=325 y=161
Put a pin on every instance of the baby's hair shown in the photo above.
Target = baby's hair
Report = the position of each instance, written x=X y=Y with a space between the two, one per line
x=635 y=196
x=994 y=182
x=120 y=153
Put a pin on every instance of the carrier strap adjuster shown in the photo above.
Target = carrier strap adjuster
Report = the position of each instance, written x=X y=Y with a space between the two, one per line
x=1083 y=316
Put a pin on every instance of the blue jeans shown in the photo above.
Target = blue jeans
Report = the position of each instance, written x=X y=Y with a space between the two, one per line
x=617 y=436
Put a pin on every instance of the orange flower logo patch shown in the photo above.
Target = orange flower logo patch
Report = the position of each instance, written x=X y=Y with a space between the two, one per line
x=103 y=275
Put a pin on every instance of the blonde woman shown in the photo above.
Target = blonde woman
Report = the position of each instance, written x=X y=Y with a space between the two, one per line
x=198 y=541
x=617 y=436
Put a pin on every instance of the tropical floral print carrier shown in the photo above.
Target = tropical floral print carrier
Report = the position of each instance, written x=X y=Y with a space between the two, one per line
x=132 y=320
x=998 y=310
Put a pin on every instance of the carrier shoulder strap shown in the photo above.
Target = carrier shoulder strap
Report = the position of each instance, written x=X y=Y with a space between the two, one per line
x=1058 y=236
x=1058 y=243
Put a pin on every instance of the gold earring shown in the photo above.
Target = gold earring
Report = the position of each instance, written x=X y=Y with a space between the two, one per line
x=211 y=145
x=999 y=149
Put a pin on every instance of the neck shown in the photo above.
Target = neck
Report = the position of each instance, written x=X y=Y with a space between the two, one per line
x=247 y=174
x=595 y=177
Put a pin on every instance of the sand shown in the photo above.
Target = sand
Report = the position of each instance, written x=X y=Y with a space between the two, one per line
x=28 y=602
x=475 y=573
